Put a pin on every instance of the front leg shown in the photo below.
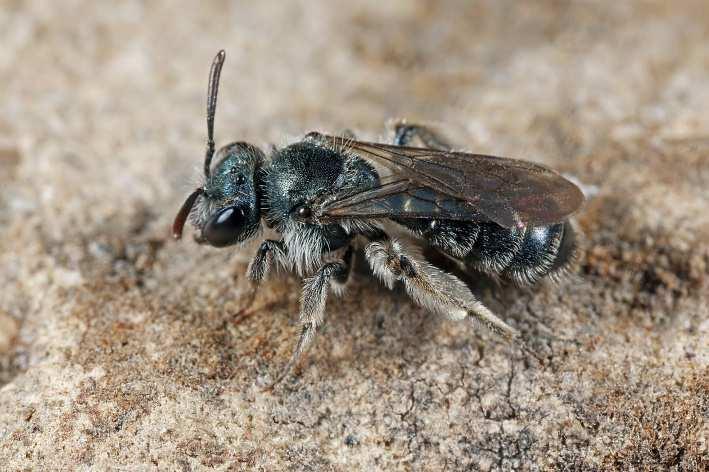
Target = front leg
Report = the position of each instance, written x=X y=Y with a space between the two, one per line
x=312 y=305
x=268 y=252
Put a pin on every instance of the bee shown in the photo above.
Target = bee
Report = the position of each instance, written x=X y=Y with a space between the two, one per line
x=326 y=195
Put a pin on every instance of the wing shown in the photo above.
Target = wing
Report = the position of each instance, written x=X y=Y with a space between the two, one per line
x=397 y=198
x=456 y=185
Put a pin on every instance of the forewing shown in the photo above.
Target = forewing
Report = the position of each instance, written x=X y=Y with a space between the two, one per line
x=399 y=198
x=507 y=191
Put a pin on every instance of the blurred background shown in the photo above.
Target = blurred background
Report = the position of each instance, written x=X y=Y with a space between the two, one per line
x=119 y=347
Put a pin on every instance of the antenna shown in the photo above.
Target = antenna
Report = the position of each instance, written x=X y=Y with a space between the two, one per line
x=212 y=90
x=179 y=223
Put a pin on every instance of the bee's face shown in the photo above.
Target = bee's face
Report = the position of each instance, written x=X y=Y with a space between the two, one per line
x=226 y=209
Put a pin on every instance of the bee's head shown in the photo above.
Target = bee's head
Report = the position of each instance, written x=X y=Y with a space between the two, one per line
x=226 y=208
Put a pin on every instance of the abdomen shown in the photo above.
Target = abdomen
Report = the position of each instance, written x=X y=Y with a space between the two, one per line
x=521 y=255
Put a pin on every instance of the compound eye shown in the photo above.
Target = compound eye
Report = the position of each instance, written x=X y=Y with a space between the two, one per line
x=224 y=227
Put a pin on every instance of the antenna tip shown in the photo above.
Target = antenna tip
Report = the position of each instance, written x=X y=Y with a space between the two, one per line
x=221 y=55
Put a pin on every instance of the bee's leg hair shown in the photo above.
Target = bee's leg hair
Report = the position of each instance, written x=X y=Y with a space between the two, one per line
x=405 y=133
x=340 y=279
x=312 y=305
x=432 y=288
x=259 y=267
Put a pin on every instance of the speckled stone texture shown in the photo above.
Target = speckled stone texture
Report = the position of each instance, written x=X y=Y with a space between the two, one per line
x=121 y=349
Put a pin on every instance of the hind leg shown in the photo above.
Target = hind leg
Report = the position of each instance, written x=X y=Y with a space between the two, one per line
x=405 y=133
x=433 y=288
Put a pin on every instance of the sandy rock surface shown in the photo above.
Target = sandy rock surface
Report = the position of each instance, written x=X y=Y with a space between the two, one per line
x=121 y=349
